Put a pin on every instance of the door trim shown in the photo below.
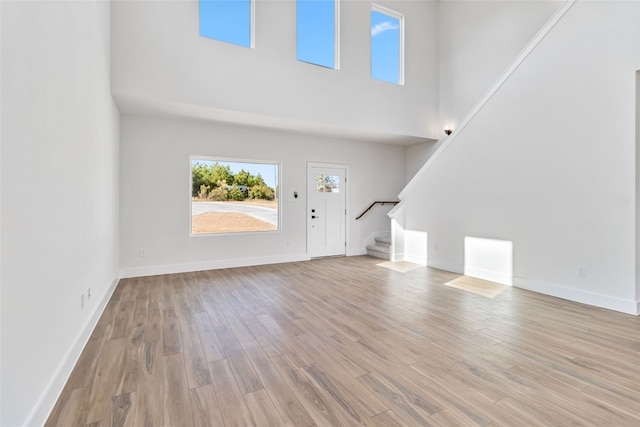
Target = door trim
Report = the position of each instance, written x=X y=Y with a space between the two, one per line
x=347 y=195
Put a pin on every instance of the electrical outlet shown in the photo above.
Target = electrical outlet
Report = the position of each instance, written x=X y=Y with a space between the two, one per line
x=582 y=271
x=82 y=301
x=141 y=253
x=288 y=243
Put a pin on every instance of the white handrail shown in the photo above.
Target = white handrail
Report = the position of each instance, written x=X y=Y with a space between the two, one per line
x=540 y=35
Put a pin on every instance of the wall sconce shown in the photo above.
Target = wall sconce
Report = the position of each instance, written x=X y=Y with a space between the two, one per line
x=448 y=131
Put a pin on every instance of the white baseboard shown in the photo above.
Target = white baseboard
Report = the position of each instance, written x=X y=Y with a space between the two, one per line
x=488 y=275
x=578 y=295
x=48 y=399
x=154 y=270
x=356 y=251
x=453 y=268
x=396 y=257
x=415 y=260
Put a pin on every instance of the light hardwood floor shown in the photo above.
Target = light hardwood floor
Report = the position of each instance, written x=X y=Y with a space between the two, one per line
x=342 y=342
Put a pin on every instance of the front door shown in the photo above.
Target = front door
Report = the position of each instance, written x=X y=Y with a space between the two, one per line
x=326 y=210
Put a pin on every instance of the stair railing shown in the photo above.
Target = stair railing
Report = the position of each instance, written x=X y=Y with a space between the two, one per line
x=530 y=47
x=381 y=202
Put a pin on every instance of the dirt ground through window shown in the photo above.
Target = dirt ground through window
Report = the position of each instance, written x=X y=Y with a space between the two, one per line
x=227 y=222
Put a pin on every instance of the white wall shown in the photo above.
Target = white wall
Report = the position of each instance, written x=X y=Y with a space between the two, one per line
x=159 y=58
x=59 y=195
x=155 y=191
x=549 y=164
x=416 y=156
x=638 y=186
x=489 y=259
x=477 y=41
x=0 y=211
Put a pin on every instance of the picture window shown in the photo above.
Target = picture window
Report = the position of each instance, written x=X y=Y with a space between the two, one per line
x=234 y=196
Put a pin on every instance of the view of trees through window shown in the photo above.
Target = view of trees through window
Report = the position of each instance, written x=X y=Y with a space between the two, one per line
x=233 y=196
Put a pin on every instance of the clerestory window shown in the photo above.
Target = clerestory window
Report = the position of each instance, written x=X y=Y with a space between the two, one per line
x=387 y=45
x=317 y=32
x=229 y=21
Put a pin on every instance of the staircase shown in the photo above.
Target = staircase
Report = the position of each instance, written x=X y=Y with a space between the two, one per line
x=381 y=248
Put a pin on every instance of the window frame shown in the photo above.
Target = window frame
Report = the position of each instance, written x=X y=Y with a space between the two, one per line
x=401 y=40
x=278 y=191
x=252 y=26
x=336 y=37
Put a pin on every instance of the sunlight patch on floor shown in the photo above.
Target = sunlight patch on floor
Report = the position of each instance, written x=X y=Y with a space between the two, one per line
x=399 y=266
x=477 y=286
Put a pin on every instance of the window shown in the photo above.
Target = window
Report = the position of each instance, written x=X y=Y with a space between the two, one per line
x=230 y=21
x=387 y=45
x=327 y=183
x=233 y=196
x=317 y=32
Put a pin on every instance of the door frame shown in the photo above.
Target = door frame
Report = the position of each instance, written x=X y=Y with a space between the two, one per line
x=346 y=201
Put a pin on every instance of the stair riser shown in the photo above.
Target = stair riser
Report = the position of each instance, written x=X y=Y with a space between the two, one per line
x=378 y=255
x=383 y=241
x=381 y=249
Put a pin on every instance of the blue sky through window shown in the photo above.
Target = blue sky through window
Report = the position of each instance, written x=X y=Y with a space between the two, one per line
x=231 y=21
x=316 y=35
x=226 y=20
x=385 y=47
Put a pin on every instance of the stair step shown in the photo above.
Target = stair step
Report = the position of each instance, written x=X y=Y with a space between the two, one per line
x=378 y=254
x=385 y=240
x=381 y=249
x=378 y=248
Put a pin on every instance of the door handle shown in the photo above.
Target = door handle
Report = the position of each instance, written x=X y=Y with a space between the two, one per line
x=314 y=217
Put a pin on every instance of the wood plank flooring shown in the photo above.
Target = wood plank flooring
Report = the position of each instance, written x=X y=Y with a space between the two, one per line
x=342 y=342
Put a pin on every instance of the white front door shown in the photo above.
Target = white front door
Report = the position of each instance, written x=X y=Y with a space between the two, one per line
x=326 y=210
